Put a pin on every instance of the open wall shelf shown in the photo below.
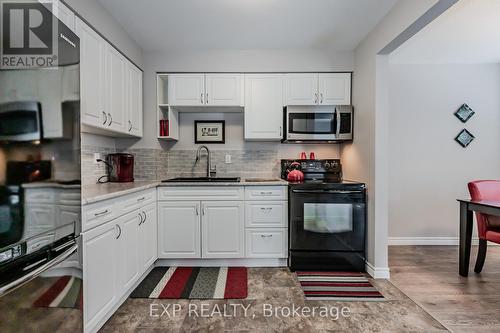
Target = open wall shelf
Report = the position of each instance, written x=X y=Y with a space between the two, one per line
x=167 y=119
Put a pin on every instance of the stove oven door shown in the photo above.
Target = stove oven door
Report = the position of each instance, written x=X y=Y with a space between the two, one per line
x=327 y=220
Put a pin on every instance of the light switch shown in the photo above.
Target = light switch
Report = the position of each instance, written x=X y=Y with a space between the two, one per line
x=228 y=159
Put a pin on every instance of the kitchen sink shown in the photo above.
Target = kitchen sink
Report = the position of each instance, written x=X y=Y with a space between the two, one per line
x=203 y=180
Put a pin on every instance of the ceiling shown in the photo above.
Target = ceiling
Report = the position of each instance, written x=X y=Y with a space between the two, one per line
x=468 y=32
x=248 y=24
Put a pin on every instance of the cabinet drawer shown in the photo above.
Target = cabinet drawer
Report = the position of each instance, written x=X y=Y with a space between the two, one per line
x=40 y=195
x=135 y=201
x=266 y=243
x=98 y=213
x=266 y=193
x=70 y=197
x=266 y=214
x=205 y=193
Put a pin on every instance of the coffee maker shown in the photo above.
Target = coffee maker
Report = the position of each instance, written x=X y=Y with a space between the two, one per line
x=120 y=167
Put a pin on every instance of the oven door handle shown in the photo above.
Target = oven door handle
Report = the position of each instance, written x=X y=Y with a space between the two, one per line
x=337 y=131
x=36 y=272
x=327 y=191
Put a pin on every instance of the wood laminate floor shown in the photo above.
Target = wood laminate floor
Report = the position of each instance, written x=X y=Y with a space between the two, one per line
x=429 y=276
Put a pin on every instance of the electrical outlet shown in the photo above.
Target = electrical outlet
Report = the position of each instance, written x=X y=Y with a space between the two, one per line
x=228 y=159
x=97 y=156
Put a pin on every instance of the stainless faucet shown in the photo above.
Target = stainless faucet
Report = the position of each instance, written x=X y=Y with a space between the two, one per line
x=211 y=171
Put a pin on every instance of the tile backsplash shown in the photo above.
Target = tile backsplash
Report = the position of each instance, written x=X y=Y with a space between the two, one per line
x=157 y=164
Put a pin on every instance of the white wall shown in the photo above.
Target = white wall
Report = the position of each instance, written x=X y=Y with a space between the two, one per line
x=359 y=159
x=93 y=12
x=428 y=169
x=231 y=61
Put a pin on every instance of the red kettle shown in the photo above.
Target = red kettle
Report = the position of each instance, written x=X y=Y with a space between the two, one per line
x=295 y=175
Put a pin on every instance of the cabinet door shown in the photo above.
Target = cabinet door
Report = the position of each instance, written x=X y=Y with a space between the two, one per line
x=224 y=89
x=264 y=106
x=147 y=238
x=302 y=89
x=129 y=249
x=186 y=89
x=92 y=73
x=335 y=89
x=116 y=88
x=134 y=107
x=179 y=229
x=50 y=88
x=222 y=229
x=100 y=273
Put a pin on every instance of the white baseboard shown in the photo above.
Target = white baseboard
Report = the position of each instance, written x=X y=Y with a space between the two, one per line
x=377 y=272
x=246 y=262
x=395 y=241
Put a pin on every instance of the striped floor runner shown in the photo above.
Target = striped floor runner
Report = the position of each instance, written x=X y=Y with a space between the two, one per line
x=66 y=292
x=338 y=286
x=194 y=283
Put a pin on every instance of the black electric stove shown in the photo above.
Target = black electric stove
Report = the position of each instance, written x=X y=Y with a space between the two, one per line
x=327 y=218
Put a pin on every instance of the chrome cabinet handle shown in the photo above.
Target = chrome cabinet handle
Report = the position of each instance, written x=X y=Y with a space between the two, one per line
x=197 y=212
x=266 y=193
x=119 y=231
x=111 y=119
x=141 y=199
x=145 y=216
x=315 y=98
x=266 y=236
x=142 y=220
x=101 y=213
x=201 y=98
x=130 y=126
x=206 y=98
x=321 y=96
x=203 y=210
x=281 y=132
x=266 y=209
x=105 y=118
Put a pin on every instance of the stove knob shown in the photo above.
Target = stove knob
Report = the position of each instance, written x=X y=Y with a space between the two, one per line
x=327 y=166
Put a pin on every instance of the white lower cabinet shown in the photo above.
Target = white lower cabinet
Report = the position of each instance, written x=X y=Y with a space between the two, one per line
x=266 y=243
x=179 y=229
x=115 y=255
x=222 y=229
x=101 y=260
x=148 y=237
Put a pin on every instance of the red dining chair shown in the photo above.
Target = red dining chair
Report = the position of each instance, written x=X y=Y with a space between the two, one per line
x=488 y=226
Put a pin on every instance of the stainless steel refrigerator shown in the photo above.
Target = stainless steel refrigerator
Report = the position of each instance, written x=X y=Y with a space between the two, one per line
x=40 y=194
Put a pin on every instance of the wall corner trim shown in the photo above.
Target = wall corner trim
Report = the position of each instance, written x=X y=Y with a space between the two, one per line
x=377 y=272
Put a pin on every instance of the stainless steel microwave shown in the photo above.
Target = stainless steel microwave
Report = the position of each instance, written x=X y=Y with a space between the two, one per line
x=318 y=124
x=20 y=121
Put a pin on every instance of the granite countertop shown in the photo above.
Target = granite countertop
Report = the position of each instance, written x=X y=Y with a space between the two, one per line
x=49 y=184
x=98 y=192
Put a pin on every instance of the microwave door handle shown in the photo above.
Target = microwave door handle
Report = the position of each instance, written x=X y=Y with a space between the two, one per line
x=337 y=131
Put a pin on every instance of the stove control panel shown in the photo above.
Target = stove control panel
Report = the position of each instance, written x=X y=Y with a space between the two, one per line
x=320 y=168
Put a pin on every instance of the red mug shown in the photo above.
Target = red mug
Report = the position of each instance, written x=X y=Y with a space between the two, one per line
x=312 y=156
x=303 y=156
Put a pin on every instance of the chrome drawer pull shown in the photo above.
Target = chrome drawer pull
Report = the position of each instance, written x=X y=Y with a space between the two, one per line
x=119 y=231
x=266 y=236
x=141 y=199
x=101 y=213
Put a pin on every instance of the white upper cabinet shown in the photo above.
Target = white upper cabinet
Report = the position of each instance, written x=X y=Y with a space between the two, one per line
x=222 y=229
x=318 y=89
x=116 y=84
x=134 y=109
x=335 y=89
x=223 y=89
x=92 y=74
x=205 y=90
x=264 y=97
x=302 y=89
x=110 y=87
x=186 y=89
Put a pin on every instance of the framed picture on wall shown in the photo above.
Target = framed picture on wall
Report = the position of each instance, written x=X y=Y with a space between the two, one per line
x=209 y=131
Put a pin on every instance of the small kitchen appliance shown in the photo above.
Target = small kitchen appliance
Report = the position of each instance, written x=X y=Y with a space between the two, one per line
x=295 y=175
x=121 y=167
x=327 y=218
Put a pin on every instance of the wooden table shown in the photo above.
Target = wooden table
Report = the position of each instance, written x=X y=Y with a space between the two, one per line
x=467 y=207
